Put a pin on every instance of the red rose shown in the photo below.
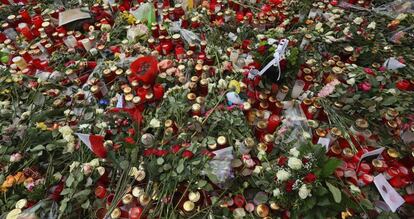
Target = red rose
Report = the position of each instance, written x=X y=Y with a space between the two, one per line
x=175 y=148
x=365 y=86
x=262 y=49
x=309 y=178
x=208 y=153
x=289 y=185
x=282 y=161
x=305 y=161
x=187 y=154
x=369 y=71
x=403 y=85
x=131 y=131
x=239 y=200
x=161 y=153
x=149 y=152
x=129 y=140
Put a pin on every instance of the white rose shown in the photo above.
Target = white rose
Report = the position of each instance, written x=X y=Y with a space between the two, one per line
x=155 y=123
x=318 y=26
x=358 y=20
x=282 y=175
x=294 y=152
x=401 y=16
x=99 y=111
x=294 y=163
x=351 y=81
x=276 y=192
x=372 y=25
x=222 y=84
x=69 y=138
x=65 y=130
x=304 y=192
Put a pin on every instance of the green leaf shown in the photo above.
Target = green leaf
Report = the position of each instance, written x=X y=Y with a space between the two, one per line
x=39 y=99
x=330 y=167
x=336 y=193
x=86 y=205
x=180 y=167
x=201 y=183
x=84 y=193
x=367 y=204
x=69 y=181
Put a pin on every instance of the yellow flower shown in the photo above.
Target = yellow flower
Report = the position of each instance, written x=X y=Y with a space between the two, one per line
x=41 y=125
x=235 y=85
x=19 y=177
x=5 y=91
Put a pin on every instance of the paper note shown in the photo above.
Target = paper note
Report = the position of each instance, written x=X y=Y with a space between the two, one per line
x=324 y=142
x=71 y=15
x=388 y=193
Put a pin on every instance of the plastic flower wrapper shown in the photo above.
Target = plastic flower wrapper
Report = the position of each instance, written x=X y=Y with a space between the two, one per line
x=219 y=169
x=146 y=12
x=400 y=35
x=294 y=129
x=136 y=32
x=189 y=36
x=394 y=8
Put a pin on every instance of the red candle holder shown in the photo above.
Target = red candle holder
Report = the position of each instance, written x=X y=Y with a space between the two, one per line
x=158 y=91
x=273 y=122
x=135 y=213
x=100 y=192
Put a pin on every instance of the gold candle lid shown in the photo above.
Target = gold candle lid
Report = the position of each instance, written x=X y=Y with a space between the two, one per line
x=106 y=72
x=307 y=101
x=136 y=100
x=246 y=106
x=168 y=123
x=196 y=107
x=95 y=89
x=279 y=104
x=361 y=123
x=307 y=71
x=262 y=210
x=212 y=146
x=377 y=163
x=200 y=100
x=338 y=104
x=285 y=89
x=119 y=72
x=169 y=131
x=194 y=196
x=336 y=149
x=347 y=152
x=221 y=140
x=127 y=90
x=262 y=147
x=349 y=49
x=272 y=99
x=127 y=199
x=264 y=105
x=321 y=132
x=194 y=79
x=137 y=191
x=340 y=64
x=274 y=206
x=337 y=70
x=268 y=138
x=261 y=124
x=116 y=213
x=69 y=72
x=199 y=67
x=249 y=142
x=392 y=124
x=191 y=96
x=188 y=206
x=308 y=78
x=336 y=132
x=393 y=153
x=144 y=199
x=204 y=82
x=392 y=112
x=129 y=97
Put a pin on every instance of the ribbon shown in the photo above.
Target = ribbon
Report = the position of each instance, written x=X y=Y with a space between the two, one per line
x=279 y=53
x=144 y=70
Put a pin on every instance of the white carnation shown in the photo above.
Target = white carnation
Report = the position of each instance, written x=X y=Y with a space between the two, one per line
x=282 y=175
x=294 y=163
x=99 y=111
x=294 y=152
x=372 y=25
x=65 y=130
x=304 y=191
x=276 y=192
x=358 y=20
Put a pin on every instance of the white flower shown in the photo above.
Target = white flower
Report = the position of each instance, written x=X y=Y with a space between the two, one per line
x=318 y=26
x=67 y=112
x=99 y=111
x=354 y=189
x=282 y=175
x=276 y=192
x=222 y=84
x=73 y=165
x=358 y=20
x=346 y=30
x=304 y=192
x=155 y=123
x=25 y=115
x=257 y=169
x=101 y=125
x=239 y=213
x=294 y=152
x=401 y=16
x=372 y=25
x=351 y=81
x=84 y=126
x=69 y=138
x=70 y=147
x=294 y=163
x=65 y=130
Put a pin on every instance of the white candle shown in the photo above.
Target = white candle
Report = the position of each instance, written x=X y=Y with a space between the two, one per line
x=297 y=88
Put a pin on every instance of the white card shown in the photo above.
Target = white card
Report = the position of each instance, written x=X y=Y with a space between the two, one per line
x=388 y=193
x=324 y=142
x=393 y=64
x=120 y=103
x=71 y=15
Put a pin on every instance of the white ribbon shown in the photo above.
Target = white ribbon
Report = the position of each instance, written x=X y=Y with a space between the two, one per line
x=279 y=53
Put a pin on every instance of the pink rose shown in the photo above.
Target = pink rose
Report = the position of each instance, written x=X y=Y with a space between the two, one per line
x=369 y=71
x=365 y=86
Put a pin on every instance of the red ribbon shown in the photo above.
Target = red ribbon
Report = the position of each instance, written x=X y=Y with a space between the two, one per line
x=139 y=73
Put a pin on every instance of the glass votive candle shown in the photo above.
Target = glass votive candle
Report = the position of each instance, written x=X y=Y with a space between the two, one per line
x=297 y=88
x=19 y=62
